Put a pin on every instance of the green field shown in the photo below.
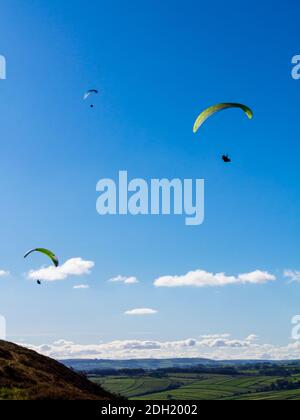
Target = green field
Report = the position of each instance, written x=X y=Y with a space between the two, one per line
x=189 y=386
x=133 y=387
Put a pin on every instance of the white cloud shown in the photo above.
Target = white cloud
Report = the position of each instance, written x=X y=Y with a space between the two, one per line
x=292 y=275
x=256 y=277
x=124 y=279
x=4 y=273
x=141 y=312
x=201 y=278
x=81 y=287
x=72 y=267
x=216 y=347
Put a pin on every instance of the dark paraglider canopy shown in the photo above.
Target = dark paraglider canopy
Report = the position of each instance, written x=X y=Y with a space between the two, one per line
x=90 y=92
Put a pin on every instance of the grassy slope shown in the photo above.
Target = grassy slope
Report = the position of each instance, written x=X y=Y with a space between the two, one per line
x=25 y=375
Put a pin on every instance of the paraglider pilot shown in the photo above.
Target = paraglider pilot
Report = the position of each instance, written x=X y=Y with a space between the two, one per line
x=226 y=159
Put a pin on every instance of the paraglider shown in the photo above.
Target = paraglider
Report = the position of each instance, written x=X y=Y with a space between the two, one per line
x=217 y=108
x=46 y=252
x=39 y=282
x=89 y=93
x=226 y=159
x=205 y=115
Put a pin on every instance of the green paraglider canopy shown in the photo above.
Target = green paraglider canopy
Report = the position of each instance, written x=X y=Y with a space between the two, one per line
x=46 y=252
x=217 y=108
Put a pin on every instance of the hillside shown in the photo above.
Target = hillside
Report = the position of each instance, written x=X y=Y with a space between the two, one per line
x=27 y=375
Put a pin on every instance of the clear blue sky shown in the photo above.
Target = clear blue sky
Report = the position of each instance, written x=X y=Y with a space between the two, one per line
x=157 y=64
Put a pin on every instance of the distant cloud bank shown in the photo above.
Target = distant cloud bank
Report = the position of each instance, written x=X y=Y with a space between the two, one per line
x=201 y=278
x=217 y=347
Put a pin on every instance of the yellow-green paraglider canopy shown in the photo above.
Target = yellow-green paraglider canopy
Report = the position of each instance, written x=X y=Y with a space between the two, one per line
x=217 y=108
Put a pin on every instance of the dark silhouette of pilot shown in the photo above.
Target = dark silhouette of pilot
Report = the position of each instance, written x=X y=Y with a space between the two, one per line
x=226 y=159
x=39 y=282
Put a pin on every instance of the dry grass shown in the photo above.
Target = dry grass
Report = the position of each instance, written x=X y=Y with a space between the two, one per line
x=26 y=375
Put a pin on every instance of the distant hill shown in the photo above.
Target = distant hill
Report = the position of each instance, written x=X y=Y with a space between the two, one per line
x=88 y=365
x=27 y=375
x=147 y=364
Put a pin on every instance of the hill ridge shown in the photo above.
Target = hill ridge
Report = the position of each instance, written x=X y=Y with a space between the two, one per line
x=27 y=375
